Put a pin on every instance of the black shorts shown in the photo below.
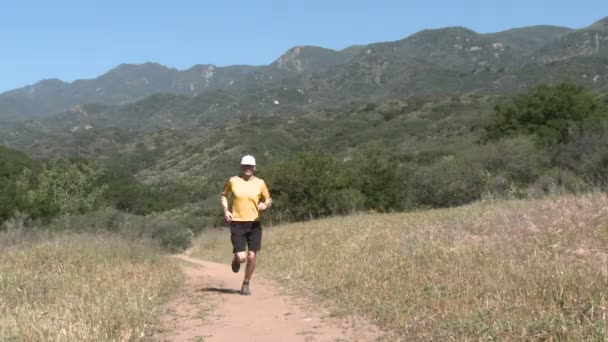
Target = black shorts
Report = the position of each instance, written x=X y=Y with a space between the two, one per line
x=246 y=235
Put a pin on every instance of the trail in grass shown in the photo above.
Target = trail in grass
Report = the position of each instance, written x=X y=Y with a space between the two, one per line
x=210 y=308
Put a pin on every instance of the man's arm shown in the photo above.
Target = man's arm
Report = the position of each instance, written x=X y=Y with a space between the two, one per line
x=267 y=203
x=225 y=193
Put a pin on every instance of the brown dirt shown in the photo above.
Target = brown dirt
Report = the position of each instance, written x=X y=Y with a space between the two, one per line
x=210 y=308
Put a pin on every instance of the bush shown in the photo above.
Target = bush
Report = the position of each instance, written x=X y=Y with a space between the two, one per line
x=552 y=114
x=127 y=193
x=586 y=157
x=376 y=173
x=449 y=182
x=346 y=201
x=12 y=165
x=302 y=187
x=314 y=184
x=557 y=182
x=61 y=187
x=171 y=235
x=502 y=169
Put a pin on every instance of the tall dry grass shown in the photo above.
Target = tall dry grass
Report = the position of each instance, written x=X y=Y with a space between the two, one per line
x=80 y=287
x=514 y=270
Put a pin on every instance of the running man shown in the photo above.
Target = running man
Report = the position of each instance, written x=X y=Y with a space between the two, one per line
x=250 y=197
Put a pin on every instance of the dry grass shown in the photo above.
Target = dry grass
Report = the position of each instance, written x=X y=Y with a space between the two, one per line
x=514 y=270
x=69 y=287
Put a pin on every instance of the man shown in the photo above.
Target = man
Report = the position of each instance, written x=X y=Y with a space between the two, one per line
x=250 y=197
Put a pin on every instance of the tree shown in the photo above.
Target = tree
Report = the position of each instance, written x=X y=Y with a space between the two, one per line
x=61 y=187
x=377 y=174
x=553 y=114
x=306 y=186
x=12 y=164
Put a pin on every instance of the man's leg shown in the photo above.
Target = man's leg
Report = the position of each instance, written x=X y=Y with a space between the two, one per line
x=251 y=257
x=239 y=241
x=254 y=242
x=241 y=257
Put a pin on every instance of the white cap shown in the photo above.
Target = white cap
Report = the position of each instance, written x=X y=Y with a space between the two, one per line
x=248 y=160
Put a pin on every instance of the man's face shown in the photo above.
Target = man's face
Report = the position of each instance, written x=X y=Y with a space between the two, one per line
x=248 y=170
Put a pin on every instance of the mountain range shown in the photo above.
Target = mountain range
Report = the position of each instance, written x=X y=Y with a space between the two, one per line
x=452 y=60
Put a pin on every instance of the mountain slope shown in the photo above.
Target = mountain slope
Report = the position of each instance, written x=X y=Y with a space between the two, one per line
x=308 y=58
x=526 y=40
x=439 y=61
x=589 y=41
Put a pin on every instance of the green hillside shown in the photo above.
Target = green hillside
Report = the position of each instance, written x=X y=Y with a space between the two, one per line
x=430 y=62
x=414 y=113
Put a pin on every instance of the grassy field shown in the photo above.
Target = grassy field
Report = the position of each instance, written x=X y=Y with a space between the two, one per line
x=80 y=287
x=508 y=270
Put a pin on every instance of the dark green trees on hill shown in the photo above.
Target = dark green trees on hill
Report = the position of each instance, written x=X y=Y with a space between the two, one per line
x=569 y=125
x=12 y=164
x=553 y=114
x=315 y=184
x=304 y=187
x=388 y=156
x=61 y=187
x=44 y=190
x=546 y=140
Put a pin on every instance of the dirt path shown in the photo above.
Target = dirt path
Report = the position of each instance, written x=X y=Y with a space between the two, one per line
x=209 y=308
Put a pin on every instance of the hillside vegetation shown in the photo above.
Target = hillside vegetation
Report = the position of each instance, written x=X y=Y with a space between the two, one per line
x=508 y=270
x=403 y=155
x=395 y=155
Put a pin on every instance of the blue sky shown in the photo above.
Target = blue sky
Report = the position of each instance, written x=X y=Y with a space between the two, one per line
x=82 y=39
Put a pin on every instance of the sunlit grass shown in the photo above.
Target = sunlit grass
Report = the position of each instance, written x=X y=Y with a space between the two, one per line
x=80 y=287
x=511 y=270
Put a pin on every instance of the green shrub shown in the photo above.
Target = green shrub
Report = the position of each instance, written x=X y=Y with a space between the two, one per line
x=171 y=235
x=557 y=182
x=61 y=187
x=552 y=114
x=501 y=169
x=587 y=157
x=449 y=182
x=346 y=201
x=12 y=165
x=302 y=186
x=376 y=173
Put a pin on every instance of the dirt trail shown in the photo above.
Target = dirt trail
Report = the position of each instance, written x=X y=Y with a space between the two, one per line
x=209 y=308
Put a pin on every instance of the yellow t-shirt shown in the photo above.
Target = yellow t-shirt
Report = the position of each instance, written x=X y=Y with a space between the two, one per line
x=246 y=195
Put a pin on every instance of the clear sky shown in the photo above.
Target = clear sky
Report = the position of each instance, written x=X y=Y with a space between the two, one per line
x=70 y=39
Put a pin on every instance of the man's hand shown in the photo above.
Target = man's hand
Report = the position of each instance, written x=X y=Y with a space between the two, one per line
x=262 y=206
x=228 y=215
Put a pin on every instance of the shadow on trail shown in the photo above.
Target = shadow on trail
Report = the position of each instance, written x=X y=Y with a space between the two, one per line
x=219 y=290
